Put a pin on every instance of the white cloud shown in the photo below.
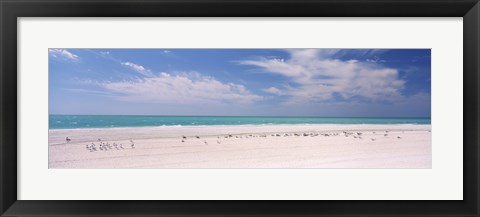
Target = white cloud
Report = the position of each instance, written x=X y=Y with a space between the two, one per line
x=273 y=90
x=318 y=76
x=185 y=88
x=62 y=53
x=87 y=91
x=138 y=68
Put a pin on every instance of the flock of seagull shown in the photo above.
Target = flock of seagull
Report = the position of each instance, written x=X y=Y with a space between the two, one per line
x=355 y=135
x=105 y=146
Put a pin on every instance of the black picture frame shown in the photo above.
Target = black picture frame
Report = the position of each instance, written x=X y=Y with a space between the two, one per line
x=10 y=10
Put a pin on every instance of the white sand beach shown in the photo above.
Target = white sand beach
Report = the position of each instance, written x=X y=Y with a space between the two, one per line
x=256 y=146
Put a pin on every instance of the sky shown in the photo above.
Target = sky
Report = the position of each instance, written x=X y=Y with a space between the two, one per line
x=241 y=82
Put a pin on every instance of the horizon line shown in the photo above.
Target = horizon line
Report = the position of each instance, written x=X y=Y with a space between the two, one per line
x=247 y=116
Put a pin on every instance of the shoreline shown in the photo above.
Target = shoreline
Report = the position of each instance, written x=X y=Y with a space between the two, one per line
x=241 y=146
x=231 y=125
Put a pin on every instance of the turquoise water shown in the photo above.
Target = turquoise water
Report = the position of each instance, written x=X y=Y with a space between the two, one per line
x=108 y=121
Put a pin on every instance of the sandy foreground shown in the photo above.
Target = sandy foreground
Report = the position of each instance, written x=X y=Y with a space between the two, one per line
x=266 y=146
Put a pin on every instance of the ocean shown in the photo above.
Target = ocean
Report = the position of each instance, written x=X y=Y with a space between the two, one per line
x=110 y=121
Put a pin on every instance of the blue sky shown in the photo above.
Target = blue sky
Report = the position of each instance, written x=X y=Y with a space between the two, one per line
x=276 y=82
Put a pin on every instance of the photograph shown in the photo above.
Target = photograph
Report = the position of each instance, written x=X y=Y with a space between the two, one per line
x=310 y=108
x=239 y=108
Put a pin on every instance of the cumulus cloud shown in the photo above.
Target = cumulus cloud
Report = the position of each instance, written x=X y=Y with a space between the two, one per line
x=184 y=88
x=317 y=77
x=62 y=53
x=138 y=68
